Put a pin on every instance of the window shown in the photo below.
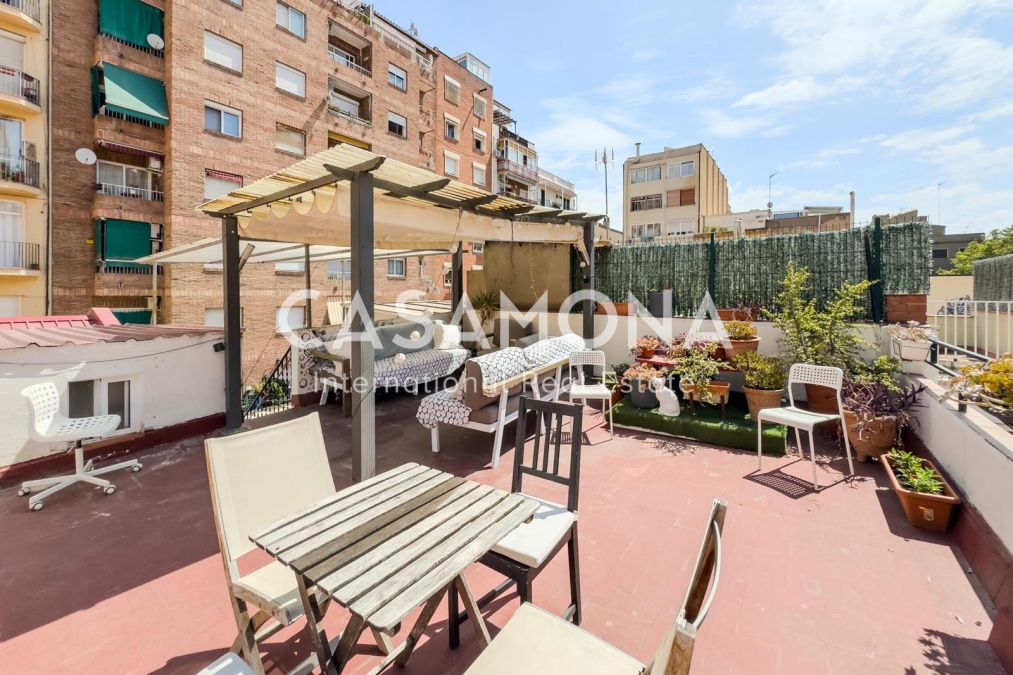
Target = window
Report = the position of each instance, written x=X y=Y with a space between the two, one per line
x=225 y=53
x=451 y=126
x=646 y=231
x=396 y=267
x=218 y=183
x=451 y=164
x=451 y=90
x=290 y=267
x=289 y=318
x=680 y=227
x=480 y=140
x=122 y=180
x=448 y=279
x=289 y=79
x=940 y=253
x=290 y=19
x=12 y=229
x=113 y=396
x=339 y=269
x=645 y=203
x=478 y=173
x=223 y=120
x=680 y=170
x=12 y=51
x=397 y=76
x=289 y=139
x=480 y=107
x=646 y=174
x=477 y=247
x=396 y=124
x=685 y=197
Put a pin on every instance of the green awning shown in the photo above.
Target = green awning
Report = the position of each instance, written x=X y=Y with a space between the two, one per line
x=117 y=241
x=130 y=21
x=133 y=94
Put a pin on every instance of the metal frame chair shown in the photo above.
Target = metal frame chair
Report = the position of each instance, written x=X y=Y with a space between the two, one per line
x=535 y=642
x=47 y=425
x=803 y=373
x=597 y=392
x=524 y=553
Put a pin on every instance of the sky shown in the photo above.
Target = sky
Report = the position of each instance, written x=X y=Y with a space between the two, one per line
x=907 y=102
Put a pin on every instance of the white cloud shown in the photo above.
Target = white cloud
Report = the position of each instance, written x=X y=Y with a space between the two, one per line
x=824 y=158
x=786 y=196
x=717 y=87
x=917 y=139
x=793 y=92
x=720 y=123
x=995 y=112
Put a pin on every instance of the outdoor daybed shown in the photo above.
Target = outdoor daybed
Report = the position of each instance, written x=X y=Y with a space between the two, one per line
x=488 y=395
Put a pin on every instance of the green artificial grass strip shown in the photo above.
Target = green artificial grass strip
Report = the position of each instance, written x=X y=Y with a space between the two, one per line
x=706 y=426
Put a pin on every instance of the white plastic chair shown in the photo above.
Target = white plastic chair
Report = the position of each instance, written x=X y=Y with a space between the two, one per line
x=597 y=392
x=47 y=425
x=803 y=373
x=230 y=664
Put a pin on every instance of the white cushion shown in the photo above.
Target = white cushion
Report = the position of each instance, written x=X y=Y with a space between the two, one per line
x=276 y=585
x=341 y=346
x=593 y=391
x=794 y=417
x=230 y=664
x=535 y=642
x=446 y=336
x=531 y=543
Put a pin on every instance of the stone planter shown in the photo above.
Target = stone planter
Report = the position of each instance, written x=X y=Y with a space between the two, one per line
x=736 y=347
x=931 y=512
x=761 y=399
x=821 y=399
x=911 y=350
x=874 y=439
x=659 y=302
x=642 y=396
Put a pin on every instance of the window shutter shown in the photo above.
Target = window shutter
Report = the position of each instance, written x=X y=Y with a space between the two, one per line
x=688 y=197
x=12 y=53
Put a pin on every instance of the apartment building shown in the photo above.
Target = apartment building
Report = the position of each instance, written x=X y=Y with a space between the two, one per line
x=187 y=100
x=669 y=193
x=516 y=158
x=556 y=192
x=24 y=181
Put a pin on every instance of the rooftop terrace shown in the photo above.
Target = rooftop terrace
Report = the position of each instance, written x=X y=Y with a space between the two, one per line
x=829 y=582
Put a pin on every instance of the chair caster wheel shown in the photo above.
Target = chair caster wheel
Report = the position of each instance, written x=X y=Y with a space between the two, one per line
x=35 y=507
x=24 y=491
x=111 y=489
x=136 y=468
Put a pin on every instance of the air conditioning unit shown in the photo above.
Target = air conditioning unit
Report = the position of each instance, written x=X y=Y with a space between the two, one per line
x=155 y=163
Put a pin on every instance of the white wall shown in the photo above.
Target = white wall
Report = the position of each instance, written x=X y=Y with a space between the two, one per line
x=176 y=379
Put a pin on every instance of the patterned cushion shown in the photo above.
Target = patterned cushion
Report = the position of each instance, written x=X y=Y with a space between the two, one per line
x=552 y=349
x=501 y=365
x=419 y=367
x=441 y=407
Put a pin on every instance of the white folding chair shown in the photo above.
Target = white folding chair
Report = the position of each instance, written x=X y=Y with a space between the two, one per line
x=596 y=392
x=257 y=478
x=803 y=373
x=47 y=425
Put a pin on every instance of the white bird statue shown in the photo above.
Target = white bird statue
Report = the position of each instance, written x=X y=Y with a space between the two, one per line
x=668 y=399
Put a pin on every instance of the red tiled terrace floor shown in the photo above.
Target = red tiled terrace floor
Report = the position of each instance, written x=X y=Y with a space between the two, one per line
x=834 y=582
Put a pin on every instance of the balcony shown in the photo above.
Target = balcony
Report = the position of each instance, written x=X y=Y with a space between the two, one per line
x=350 y=102
x=23 y=14
x=18 y=257
x=339 y=55
x=19 y=92
x=519 y=171
x=19 y=174
x=132 y=192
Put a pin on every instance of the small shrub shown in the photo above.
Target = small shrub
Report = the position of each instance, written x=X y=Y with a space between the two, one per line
x=740 y=330
x=762 y=372
x=913 y=474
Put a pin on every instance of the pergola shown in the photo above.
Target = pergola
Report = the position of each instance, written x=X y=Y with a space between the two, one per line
x=347 y=202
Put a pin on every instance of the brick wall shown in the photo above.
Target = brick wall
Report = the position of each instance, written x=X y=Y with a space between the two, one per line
x=904 y=308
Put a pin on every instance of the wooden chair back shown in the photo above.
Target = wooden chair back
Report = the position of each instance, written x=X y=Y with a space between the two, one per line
x=544 y=461
x=675 y=654
x=259 y=477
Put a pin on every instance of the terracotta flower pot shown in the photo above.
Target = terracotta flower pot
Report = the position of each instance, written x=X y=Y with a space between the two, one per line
x=872 y=439
x=646 y=353
x=622 y=308
x=932 y=512
x=719 y=353
x=760 y=399
x=741 y=347
x=821 y=399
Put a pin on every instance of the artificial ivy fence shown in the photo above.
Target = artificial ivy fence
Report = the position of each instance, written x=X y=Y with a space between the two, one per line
x=748 y=271
x=993 y=278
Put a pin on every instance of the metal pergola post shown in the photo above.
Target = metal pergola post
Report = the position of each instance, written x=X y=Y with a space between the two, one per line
x=588 y=332
x=457 y=277
x=362 y=383
x=233 y=346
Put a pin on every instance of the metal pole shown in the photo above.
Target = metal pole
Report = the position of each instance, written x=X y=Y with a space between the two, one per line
x=154 y=294
x=588 y=327
x=457 y=278
x=362 y=381
x=233 y=344
x=309 y=285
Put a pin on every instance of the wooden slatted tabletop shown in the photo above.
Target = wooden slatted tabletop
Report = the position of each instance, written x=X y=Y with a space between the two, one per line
x=387 y=545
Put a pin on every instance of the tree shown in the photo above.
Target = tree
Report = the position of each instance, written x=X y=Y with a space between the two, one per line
x=995 y=243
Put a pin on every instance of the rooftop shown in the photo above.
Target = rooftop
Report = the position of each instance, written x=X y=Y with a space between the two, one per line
x=88 y=335
x=828 y=582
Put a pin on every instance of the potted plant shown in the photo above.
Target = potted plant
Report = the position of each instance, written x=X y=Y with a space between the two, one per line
x=911 y=341
x=684 y=342
x=742 y=338
x=639 y=377
x=485 y=304
x=925 y=496
x=621 y=308
x=875 y=415
x=741 y=312
x=765 y=379
x=988 y=385
x=821 y=338
x=697 y=369
x=646 y=347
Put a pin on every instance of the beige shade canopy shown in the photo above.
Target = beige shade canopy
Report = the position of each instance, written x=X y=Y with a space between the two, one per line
x=209 y=252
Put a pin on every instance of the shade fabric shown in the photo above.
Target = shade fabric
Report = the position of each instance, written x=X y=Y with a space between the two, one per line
x=130 y=21
x=209 y=252
x=122 y=241
x=133 y=94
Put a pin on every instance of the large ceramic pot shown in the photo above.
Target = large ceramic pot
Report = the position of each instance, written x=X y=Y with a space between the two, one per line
x=932 y=512
x=760 y=399
x=821 y=399
x=657 y=304
x=873 y=438
x=642 y=396
x=736 y=347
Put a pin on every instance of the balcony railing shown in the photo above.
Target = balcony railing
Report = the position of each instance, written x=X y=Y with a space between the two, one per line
x=552 y=179
x=339 y=55
x=523 y=172
x=110 y=266
x=133 y=192
x=22 y=85
x=333 y=107
x=19 y=255
x=19 y=169
x=29 y=7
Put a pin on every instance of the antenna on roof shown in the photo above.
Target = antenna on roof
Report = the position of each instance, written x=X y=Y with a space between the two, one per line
x=605 y=160
x=414 y=30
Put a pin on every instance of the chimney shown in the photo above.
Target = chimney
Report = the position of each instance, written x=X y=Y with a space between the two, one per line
x=852 y=208
x=638 y=151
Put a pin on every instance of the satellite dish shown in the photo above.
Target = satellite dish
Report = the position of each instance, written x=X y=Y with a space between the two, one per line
x=86 y=156
x=156 y=41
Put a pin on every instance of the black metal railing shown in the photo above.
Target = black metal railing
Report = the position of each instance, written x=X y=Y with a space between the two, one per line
x=273 y=393
x=20 y=255
x=16 y=83
x=29 y=7
x=19 y=169
x=952 y=351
